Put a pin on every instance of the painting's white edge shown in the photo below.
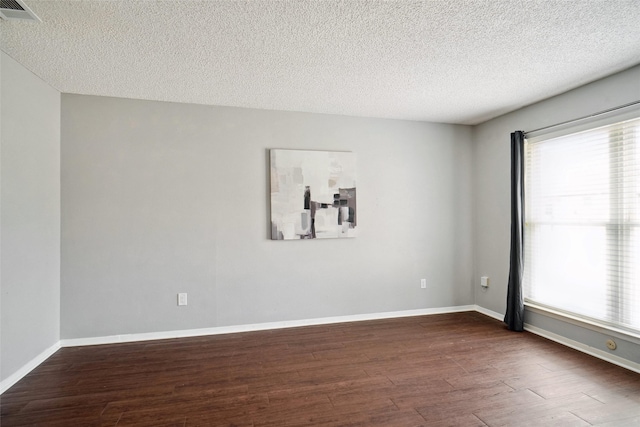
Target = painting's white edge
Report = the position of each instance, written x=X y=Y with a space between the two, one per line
x=112 y=339
x=611 y=358
x=28 y=367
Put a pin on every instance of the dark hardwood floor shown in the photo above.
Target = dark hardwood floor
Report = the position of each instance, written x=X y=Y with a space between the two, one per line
x=460 y=369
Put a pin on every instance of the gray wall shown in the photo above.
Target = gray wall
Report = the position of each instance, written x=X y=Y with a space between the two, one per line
x=491 y=155
x=29 y=217
x=160 y=198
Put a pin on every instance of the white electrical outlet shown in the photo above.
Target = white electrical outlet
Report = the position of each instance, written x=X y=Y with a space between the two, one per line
x=484 y=281
x=423 y=283
x=182 y=299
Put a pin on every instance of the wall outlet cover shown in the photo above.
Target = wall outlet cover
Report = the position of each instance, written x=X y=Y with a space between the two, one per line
x=182 y=299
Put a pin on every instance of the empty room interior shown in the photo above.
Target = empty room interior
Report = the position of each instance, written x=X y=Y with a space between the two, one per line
x=181 y=243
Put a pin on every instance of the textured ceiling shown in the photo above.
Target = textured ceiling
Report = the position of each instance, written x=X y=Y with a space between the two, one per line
x=455 y=61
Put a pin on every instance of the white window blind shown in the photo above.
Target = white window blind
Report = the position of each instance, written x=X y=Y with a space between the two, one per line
x=582 y=224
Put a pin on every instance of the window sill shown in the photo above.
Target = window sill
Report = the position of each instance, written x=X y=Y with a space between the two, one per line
x=583 y=323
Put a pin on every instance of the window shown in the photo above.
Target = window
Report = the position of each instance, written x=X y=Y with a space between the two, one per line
x=582 y=223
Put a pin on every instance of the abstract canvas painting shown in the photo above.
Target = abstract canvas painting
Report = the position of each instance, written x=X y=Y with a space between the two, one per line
x=313 y=194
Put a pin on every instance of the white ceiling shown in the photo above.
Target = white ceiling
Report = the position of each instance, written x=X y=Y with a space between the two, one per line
x=456 y=61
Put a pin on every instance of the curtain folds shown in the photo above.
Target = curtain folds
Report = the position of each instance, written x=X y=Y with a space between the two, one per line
x=514 y=317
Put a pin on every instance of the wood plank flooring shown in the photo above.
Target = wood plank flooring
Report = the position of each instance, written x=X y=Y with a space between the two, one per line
x=462 y=369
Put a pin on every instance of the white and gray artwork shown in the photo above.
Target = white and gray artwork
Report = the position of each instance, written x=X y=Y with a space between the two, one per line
x=313 y=194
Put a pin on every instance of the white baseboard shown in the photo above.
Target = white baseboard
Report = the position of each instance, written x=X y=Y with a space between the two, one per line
x=489 y=313
x=595 y=352
x=113 y=339
x=30 y=366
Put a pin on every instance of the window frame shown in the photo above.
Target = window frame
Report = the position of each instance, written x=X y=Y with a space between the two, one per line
x=615 y=225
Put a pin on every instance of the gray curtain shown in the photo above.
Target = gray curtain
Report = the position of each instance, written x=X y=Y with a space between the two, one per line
x=514 y=317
